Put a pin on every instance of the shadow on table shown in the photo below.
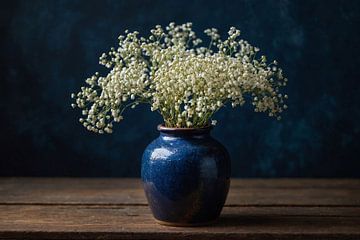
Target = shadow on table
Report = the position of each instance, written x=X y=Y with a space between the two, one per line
x=241 y=220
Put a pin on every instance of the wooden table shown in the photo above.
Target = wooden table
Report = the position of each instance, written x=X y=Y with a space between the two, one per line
x=74 y=208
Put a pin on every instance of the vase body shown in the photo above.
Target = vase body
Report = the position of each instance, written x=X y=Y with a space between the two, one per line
x=186 y=176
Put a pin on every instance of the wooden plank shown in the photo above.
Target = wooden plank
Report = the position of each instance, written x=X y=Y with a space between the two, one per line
x=135 y=182
x=244 y=192
x=135 y=222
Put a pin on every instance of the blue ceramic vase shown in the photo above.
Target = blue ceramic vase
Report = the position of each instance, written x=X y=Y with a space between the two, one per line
x=186 y=176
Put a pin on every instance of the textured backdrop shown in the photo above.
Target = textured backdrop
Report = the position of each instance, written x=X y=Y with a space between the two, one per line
x=48 y=48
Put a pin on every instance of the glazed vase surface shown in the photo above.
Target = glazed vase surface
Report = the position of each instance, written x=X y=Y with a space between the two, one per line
x=186 y=176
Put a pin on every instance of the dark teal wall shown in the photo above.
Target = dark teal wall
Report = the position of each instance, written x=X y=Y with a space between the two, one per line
x=48 y=48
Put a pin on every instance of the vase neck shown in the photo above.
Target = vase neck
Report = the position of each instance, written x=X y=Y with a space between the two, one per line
x=185 y=132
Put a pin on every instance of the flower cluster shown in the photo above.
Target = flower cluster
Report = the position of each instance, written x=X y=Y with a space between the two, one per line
x=182 y=80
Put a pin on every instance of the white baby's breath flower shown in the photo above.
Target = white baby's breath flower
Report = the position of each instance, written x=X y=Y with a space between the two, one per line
x=186 y=83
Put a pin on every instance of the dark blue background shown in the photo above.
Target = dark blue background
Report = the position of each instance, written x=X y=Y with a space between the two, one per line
x=48 y=48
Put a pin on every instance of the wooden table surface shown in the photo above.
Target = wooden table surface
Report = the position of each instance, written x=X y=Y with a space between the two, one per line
x=98 y=208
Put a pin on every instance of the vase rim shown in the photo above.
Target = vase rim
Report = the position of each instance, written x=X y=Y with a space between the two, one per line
x=176 y=130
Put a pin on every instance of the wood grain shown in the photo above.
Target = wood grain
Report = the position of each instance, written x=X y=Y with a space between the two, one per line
x=111 y=222
x=244 y=192
x=65 y=208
